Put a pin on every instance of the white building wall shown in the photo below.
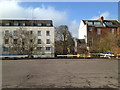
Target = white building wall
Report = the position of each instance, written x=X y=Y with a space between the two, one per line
x=43 y=37
x=1 y=40
x=82 y=31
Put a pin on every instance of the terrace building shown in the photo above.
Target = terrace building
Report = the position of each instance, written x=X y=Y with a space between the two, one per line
x=92 y=30
x=39 y=34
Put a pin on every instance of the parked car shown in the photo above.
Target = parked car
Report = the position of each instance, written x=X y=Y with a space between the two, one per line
x=107 y=54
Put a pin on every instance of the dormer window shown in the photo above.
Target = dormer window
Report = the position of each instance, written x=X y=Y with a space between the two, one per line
x=97 y=23
x=7 y=24
x=23 y=24
x=15 y=24
x=32 y=24
x=48 y=24
x=90 y=23
x=39 y=24
x=108 y=23
x=0 y=24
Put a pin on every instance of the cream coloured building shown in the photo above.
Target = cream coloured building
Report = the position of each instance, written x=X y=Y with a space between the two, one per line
x=42 y=30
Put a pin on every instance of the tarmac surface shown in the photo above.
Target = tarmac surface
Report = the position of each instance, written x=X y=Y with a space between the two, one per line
x=60 y=73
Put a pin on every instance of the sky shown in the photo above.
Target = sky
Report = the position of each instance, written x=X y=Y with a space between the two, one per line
x=62 y=13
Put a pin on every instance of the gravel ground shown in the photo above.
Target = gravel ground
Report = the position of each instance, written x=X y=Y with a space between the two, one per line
x=60 y=73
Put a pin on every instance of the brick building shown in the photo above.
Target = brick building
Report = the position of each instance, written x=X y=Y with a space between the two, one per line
x=81 y=46
x=92 y=30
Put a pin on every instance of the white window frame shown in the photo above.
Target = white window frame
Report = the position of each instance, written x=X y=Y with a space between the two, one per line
x=46 y=33
x=40 y=33
x=98 y=31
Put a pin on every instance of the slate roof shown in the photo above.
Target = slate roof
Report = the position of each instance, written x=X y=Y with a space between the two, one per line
x=105 y=23
x=27 y=22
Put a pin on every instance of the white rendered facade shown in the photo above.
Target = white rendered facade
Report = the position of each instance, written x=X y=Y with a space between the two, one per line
x=47 y=49
x=82 y=31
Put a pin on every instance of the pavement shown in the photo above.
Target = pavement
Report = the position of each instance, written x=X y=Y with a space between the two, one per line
x=60 y=73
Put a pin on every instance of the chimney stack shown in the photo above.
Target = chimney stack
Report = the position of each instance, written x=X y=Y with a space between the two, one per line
x=101 y=18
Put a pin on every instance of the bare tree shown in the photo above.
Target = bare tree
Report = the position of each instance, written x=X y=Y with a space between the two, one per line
x=21 y=41
x=64 y=42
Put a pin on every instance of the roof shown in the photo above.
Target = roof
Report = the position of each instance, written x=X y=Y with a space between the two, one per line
x=105 y=23
x=27 y=22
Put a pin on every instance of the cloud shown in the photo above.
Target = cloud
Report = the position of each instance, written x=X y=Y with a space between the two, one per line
x=13 y=10
x=73 y=27
x=106 y=15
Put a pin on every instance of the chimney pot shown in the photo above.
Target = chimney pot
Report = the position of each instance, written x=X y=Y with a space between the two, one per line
x=101 y=18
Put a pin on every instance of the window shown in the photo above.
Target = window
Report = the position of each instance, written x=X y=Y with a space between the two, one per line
x=48 y=48
x=31 y=40
x=39 y=24
x=6 y=32
x=6 y=41
x=47 y=41
x=108 y=23
x=15 y=24
x=90 y=23
x=31 y=32
x=15 y=33
x=98 y=31
x=80 y=46
x=23 y=24
x=97 y=23
x=90 y=41
x=7 y=24
x=39 y=41
x=23 y=32
x=118 y=43
x=39 y=33
x=32 y=24
x=98 y=39
x=15 y=41
x=48 y=24
x=5 y=49
x=0 y=24
x=112 y=31
x=47 y=33
x=23 y=43
x=90 y=29
x=39 y=48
